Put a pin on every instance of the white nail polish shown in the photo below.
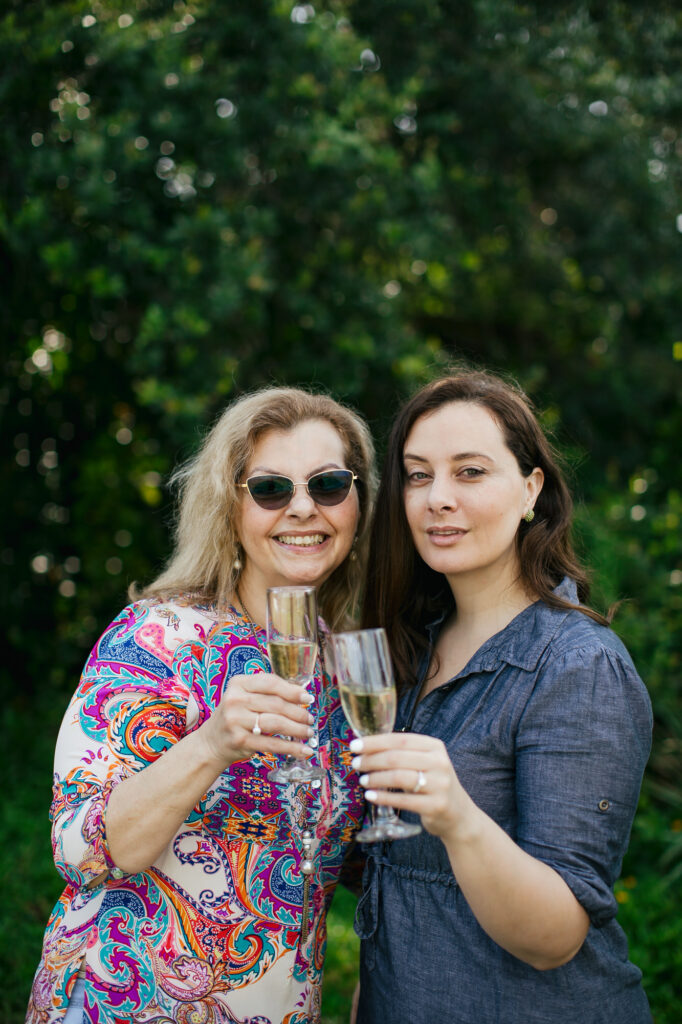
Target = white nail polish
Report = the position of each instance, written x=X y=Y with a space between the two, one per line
x=355 y=763
x=364 y=780
x=356 y=746
x=370 y=794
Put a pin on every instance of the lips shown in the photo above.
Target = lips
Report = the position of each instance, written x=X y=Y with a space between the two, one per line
x=301 y=540
x=446 y=531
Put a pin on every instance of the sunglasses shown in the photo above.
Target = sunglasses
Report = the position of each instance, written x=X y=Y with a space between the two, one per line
x=328 y=488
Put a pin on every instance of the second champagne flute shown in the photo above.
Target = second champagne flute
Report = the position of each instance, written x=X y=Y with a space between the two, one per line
x=365 y=678
x=292 y=646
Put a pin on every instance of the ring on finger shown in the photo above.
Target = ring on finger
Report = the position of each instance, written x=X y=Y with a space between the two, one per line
x=256 y=726
x=420 y=783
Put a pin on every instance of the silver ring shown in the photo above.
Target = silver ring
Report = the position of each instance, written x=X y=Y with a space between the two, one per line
x=256 y=727
x=421 y=782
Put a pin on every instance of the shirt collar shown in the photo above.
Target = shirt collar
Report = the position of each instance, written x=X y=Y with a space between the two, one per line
x=523 y=642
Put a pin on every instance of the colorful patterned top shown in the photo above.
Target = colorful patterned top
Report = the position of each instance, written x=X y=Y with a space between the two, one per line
x=212 y=932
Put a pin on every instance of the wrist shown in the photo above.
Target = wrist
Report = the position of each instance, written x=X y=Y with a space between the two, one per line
x=467 y=826
x=208 y=757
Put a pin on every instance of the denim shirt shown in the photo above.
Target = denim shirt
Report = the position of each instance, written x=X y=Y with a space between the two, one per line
x=549 y=729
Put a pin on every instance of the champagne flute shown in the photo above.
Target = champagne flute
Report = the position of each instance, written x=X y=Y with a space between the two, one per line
x=292 y=646
x=368 y=697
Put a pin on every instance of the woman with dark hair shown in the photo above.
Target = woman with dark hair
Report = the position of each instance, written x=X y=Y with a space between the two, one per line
x=525 y=731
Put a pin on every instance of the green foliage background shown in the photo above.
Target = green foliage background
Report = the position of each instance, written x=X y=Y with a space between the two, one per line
x=197 y=198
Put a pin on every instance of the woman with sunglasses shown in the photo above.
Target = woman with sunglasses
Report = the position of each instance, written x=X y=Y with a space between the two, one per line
x=196 y=888
x=525 y=734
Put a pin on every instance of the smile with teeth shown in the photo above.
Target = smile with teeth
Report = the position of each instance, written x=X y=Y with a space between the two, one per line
x=444 y=531
x=301 y=540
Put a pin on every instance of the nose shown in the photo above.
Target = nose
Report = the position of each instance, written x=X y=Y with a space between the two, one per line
x=301 y=503
x=442 y=494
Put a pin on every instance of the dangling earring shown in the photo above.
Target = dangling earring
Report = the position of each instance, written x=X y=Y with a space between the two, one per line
x=237 y=565
x=529 y=516
x=353 y=556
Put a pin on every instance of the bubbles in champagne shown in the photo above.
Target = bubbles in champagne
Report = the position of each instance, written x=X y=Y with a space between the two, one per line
x=293 y=659
x=369 y=711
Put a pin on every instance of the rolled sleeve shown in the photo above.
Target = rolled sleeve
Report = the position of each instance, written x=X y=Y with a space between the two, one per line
x=582 y=745
x=130 y=706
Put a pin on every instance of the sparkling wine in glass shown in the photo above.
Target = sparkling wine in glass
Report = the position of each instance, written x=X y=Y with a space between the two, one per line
x=365 y=678
x=292 y=646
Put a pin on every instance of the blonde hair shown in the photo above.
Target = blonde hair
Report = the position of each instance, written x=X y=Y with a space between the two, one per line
x=202 y=565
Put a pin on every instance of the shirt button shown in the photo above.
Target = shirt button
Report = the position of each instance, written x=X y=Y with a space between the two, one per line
x=604 y=805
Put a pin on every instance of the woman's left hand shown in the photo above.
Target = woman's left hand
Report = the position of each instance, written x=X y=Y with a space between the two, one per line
x=412 y=772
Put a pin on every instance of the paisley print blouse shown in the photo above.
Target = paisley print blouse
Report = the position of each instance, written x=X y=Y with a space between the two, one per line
x=214 y=930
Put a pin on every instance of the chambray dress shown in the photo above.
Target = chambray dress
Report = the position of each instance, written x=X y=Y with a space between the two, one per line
x=549 y=729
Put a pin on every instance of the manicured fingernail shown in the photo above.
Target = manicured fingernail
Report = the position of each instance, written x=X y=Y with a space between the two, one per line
x=364 y=780
x=355 y=763
x=307 y=751
x=311 y=720
x=356 y=746
x=311 y=731
x=370 y=794
x=306 y=698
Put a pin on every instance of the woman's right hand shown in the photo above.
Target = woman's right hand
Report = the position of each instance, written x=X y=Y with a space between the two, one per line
x=262 y=698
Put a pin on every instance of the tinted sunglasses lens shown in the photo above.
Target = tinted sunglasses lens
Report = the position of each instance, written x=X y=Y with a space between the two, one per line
x=270 y=491
x=330 y=488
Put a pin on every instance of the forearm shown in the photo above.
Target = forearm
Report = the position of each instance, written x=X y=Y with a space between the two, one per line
x=521 y=902
x=146 y=810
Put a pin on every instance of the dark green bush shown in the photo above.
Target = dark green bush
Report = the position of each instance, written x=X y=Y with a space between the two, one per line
x=196 y=198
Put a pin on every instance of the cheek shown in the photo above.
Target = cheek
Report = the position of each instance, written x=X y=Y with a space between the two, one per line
x=254 y=524
x=502 y=515
x=349 y=519
x=343 y=521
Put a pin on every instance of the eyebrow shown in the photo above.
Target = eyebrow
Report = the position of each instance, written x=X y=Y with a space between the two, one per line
x=278 y=472
x=459 y=457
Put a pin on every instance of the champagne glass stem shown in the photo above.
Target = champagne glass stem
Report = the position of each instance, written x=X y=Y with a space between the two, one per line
x=384 y=814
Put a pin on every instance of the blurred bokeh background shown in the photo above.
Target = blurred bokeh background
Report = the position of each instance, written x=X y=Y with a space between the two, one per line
x=200 y=197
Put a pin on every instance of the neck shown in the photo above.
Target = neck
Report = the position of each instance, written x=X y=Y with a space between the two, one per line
x=252 y=600
x=485 y=603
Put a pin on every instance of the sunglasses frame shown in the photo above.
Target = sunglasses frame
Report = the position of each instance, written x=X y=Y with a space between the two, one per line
x=299 y=483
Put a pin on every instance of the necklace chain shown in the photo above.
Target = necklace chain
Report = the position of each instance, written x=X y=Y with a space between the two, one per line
x=251 y=624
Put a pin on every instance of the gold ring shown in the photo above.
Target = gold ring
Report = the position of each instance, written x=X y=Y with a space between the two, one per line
x=421 y=782
x=256 y=727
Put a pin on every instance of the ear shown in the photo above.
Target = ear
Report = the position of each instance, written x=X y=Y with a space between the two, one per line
x=534 y=482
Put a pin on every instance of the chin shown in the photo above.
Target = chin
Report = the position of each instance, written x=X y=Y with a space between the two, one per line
x=447 y=567
x=311 y=576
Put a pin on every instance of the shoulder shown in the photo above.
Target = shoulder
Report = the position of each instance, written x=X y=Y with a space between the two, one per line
x=589 y=665
x=573 y=632
x=152 y=629
x=175 y=614
x=581 y=638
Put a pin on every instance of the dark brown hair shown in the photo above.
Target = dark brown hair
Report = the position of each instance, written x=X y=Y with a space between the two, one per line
x=403 y=593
